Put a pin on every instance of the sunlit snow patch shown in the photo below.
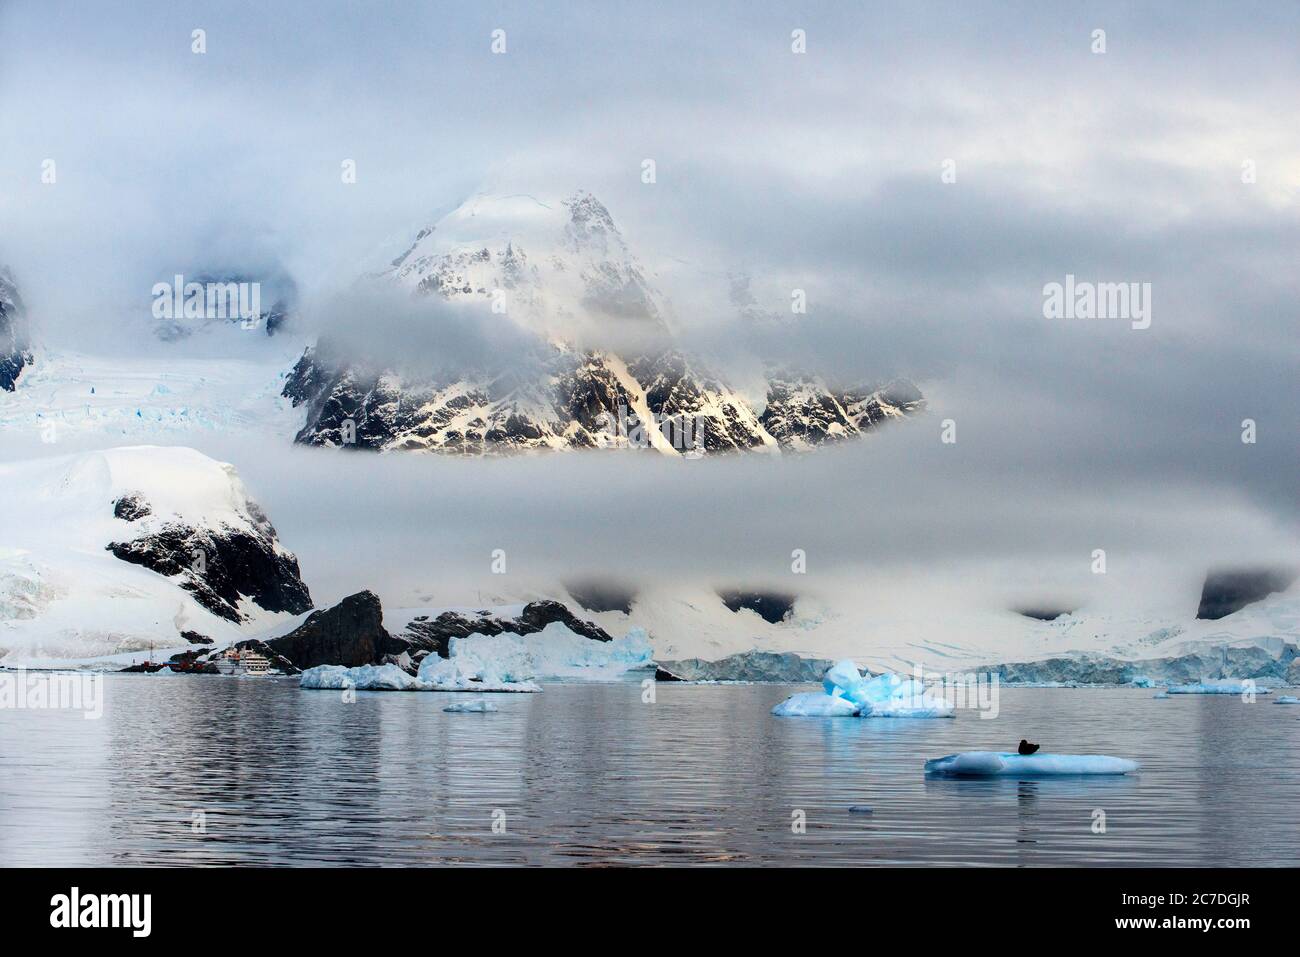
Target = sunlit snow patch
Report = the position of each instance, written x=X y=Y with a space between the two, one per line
x=1000 y=763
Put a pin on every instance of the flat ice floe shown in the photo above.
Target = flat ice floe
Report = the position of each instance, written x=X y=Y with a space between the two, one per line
x=1287 y=699
x=815 y=704
x=1222 y=686
x=477 y=706
x=1000 y=763
x=849 y=693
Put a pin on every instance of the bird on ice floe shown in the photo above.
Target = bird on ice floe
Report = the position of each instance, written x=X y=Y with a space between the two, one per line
x=1026 y=747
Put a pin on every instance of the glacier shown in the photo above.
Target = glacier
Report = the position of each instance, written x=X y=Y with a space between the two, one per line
x=1006 y=764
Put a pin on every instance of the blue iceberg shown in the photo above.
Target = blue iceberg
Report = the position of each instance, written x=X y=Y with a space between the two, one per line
x=1287 y=699
x=879 y=696
x=1006 y=764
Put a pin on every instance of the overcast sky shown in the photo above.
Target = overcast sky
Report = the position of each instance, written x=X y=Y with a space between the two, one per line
x=819 y=170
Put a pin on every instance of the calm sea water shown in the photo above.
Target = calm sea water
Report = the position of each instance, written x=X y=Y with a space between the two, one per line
x=588 y=774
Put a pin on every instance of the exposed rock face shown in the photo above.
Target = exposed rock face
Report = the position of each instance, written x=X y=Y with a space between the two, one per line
x=219 y=566
x=1223 y=661
x=194 y=638
x=131 y=508
x=772 y=607
x=434 y=636
x=803 y=412
x=351 y=633
x=1225 y=592
x=755 y=666
x=15 y=353
x=538 y=614
x=571 y=273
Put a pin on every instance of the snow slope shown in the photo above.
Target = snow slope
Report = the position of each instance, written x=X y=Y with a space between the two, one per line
x=64 y=595
x=947 y=633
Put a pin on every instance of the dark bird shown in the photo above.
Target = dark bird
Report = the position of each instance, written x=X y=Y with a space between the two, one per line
x=1026 y=747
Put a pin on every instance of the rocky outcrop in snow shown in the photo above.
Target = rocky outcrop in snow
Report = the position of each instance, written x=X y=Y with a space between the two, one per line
x=220 y=566
x=433 y=634
x=15 y=351
x=351 y=633
x=126 y=549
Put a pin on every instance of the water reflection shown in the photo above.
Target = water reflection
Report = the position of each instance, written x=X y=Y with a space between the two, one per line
x=589 y=774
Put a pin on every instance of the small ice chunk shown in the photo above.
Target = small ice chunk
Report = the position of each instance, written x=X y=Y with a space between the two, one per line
x=477 y=706
x=1287 y=699
x=1220 y=686
x=815 y=704
x=1006 y=764
x=1160 y=694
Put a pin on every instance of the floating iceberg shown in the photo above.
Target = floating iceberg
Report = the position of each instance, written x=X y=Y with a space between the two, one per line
x=815 y=704
x=553 y=652
x=1005 y=764
x=363 y=678
x=477 y=706
x=882 y=696
x=470 y=674
x=499 y=663
x=1160 y=694
x=1287 y=699
x=1221 y=686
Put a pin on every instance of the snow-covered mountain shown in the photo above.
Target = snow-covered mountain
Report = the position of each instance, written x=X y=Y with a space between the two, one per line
x=111 y=552
x=15 y=351
x=563 y=273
